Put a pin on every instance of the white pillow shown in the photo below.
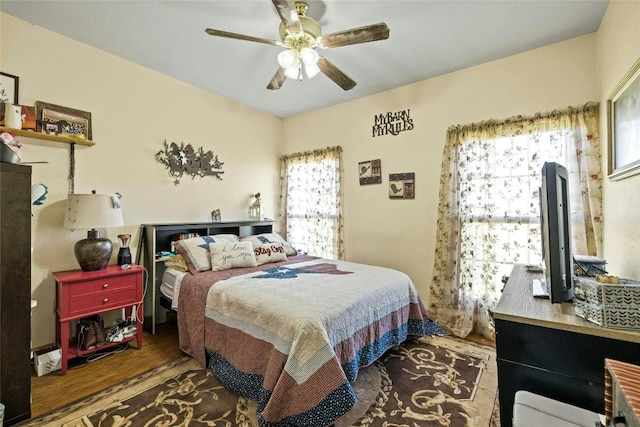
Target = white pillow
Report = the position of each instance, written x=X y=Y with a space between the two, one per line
x=265 y=238
x=269 y=252
x=231 y=255
x=195 y=250
x=225 y=238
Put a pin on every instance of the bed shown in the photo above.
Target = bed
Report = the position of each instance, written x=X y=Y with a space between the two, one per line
x=291 y=331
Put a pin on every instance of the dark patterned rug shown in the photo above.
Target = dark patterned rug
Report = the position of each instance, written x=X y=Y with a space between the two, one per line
x=439 y=381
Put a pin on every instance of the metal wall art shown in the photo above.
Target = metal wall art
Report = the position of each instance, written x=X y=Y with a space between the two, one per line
x=184 y=159
x=402 y=185
x=370 y=172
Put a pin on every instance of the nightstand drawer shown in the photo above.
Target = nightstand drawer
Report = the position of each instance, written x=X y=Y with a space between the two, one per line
x=101 y=294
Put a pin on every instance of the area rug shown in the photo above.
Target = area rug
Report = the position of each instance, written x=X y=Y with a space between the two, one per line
x=434 y=381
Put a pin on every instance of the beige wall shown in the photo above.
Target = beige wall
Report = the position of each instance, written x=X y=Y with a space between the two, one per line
x=134 y=110
x=618 y=49
x=400 y=233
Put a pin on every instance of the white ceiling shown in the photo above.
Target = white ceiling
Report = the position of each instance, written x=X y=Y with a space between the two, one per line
x=427 y=38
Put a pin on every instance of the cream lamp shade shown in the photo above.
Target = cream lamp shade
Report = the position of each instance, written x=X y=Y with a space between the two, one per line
x=91 y=212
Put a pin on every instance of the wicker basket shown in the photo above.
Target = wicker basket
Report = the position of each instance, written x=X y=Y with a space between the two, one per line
x=626 y=294
x=619 y=317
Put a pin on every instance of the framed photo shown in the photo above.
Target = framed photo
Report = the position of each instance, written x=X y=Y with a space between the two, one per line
x=9 y=88
x=402 y=185
x=623 y=114
x=370 y=172
x=62 y=121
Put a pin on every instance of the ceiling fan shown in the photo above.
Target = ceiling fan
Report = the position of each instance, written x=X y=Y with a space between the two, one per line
x=301 y=35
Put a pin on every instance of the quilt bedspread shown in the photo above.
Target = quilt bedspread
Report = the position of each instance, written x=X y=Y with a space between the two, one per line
x=292 y=337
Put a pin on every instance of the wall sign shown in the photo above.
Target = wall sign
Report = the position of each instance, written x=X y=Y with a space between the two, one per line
x=184 y=159
x=392 y=123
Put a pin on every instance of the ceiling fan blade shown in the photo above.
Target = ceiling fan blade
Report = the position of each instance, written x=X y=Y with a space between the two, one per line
x=289 y=15
x=229 y=35
x=331 y=71
x=368 y=33
x=277 y=80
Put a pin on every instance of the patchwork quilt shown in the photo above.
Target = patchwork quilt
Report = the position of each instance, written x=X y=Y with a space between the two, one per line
x=293 y=335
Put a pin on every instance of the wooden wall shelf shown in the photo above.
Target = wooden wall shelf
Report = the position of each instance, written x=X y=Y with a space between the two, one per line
x=47 y=137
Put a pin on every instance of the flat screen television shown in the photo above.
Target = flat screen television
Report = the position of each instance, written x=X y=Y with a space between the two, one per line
x=555 y=225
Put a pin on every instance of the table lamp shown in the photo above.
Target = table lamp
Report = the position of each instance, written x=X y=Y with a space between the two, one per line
x=93 y=211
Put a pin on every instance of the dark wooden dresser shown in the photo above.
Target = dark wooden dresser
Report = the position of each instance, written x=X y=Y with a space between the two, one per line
x=547 y=350
x=15 y=291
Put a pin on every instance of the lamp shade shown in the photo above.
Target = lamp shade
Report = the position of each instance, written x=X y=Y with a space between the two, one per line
x=92 y=211
x=89 y=211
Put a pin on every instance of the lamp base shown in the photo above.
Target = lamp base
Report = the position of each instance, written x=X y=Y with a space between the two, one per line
x=124 y=256
x=94 y=252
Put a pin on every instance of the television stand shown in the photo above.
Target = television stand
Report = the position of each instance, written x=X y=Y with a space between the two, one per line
x=547 y=350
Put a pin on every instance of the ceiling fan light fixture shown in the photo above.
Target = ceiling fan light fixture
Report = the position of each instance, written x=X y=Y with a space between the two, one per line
x=308 y=56
x=301 y=35
x=293 y=72
x=287 y=58
x=311 y=70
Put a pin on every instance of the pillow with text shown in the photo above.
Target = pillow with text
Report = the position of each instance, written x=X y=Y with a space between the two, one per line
x=232 y=255
x=269 y=252
x=195 y=250
x=265 y=238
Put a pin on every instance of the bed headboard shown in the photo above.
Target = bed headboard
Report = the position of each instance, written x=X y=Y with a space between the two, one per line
x=155 y=238
x=164 y=233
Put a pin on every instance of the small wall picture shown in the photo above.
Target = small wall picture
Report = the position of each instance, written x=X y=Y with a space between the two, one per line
x=402 y=185
x=623 y=109
x=62 y=121
x=370 y=172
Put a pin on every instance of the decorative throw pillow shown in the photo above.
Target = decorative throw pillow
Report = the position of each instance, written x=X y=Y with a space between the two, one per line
x=269 y=252
x=196 y=250
x=232 y=255
x=272 y=238
x=177 y=263
x=225 y=238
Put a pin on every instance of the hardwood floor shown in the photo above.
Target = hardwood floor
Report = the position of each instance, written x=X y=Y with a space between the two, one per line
x=53 y=391
x=480 y=339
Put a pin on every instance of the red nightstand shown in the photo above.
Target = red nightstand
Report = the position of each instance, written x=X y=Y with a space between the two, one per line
x=85 y=293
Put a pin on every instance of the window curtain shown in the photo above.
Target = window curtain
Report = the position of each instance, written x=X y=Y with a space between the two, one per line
x=310 y=208
x=488 y=214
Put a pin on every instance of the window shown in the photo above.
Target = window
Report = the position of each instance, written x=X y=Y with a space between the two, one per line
x=499 y=208
x=311 y=201
x=488 y=215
